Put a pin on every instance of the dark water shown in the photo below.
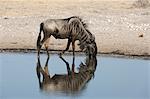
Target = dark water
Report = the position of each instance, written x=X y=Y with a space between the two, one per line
x=115 y=78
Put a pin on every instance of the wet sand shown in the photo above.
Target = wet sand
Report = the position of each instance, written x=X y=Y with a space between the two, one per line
x=119 y=28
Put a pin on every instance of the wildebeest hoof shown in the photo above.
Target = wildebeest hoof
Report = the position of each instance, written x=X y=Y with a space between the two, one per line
x=60 y=54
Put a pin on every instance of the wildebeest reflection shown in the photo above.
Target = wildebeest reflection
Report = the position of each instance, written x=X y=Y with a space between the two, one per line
x=70 y=82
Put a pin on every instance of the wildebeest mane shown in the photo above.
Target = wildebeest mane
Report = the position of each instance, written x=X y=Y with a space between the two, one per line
x=83 y=23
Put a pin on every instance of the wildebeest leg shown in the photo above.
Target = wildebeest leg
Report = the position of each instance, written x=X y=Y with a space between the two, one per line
x=46 y=43
x=46 y=77
x=44 y=39
x=73 y=66
x=68 y=45
x=38 y=69
x=67 y=65
x=44 y=72
x=46 y=66
x=38 y=52
x=39 y=44
x=39 y=40
x=73 y=47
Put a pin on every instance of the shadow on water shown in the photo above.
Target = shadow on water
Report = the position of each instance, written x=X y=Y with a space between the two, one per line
x=70 y=83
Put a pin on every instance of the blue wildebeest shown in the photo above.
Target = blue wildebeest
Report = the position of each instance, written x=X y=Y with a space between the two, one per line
x=72 y=28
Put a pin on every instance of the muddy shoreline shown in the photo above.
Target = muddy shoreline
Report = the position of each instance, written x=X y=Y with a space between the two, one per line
x=115 y=55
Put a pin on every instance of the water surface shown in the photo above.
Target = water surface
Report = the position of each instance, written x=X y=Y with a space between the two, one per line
x=115 y=78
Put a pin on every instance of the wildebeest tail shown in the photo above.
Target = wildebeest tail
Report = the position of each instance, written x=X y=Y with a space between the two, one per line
x=39 y=37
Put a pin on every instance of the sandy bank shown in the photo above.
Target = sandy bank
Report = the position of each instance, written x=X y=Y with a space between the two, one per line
x=117 y=26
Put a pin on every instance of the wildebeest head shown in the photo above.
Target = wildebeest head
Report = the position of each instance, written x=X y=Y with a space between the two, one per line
x=91 y=49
